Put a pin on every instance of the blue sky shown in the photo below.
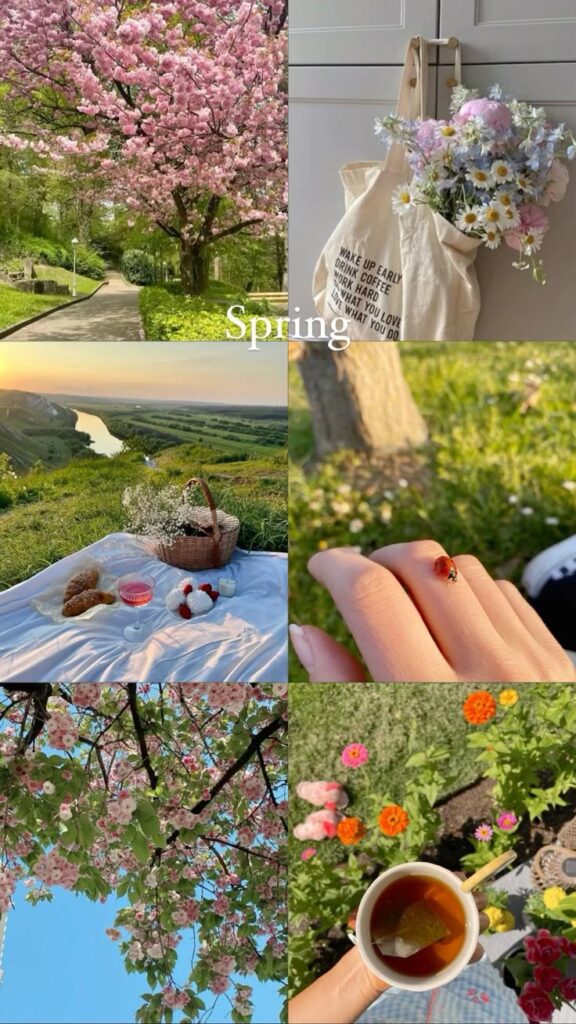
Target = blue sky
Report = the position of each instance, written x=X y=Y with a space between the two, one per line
x=61 y=968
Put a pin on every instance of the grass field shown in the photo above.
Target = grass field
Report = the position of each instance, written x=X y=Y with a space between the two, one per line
x=392 y=721
x=16 y=306
x=487 y=481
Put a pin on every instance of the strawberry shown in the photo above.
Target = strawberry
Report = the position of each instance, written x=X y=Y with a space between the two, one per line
x=214 y=594
x=206 y=587
x=188 y=589
x=185 y=611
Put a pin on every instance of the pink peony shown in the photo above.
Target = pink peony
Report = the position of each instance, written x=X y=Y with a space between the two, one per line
x=557 y=183
x=323 y=794
x=535 y=1003
x=495 y=115
x=354 y=755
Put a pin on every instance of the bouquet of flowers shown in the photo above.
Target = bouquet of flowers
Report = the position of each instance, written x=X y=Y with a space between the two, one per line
x=490 y=170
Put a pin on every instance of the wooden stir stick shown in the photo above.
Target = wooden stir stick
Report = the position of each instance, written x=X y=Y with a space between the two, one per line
x=492 y=868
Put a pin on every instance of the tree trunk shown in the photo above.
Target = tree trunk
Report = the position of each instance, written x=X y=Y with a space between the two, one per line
x=280 y=252
x=359 y=398
x=194 y=267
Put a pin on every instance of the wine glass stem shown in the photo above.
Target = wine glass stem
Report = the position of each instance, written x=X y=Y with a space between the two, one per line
x=137 y=624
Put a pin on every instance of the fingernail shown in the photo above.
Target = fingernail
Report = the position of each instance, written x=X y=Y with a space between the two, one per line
x=302 y=646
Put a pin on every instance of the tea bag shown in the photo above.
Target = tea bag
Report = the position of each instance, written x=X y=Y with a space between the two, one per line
x=417 y=928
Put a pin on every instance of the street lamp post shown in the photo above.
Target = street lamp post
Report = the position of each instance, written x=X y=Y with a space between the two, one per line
x=75 y=244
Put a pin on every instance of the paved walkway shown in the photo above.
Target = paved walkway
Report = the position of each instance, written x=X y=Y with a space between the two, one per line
x=111 y=315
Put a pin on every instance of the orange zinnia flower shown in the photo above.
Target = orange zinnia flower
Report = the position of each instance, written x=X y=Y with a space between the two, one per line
x=350 y=831
x=393 y=820
x=479 y=707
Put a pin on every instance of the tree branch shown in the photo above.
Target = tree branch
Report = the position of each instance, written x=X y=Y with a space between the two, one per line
x=236 y=228
x=140 y=733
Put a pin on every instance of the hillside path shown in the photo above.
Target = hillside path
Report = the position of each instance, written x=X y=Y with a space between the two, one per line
x=111 y=315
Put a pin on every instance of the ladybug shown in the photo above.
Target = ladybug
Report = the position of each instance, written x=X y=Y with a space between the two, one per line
x=446 y=568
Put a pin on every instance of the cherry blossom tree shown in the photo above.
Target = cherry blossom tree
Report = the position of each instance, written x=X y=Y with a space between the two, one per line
x=179 y=106
x=169 y=797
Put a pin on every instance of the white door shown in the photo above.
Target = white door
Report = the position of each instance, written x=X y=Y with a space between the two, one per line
x=499 y=31
x=332 y=113
x=357 y=31
x=514 y=306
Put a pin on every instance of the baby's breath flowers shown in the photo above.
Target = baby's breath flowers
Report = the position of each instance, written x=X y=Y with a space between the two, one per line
x=490 y=170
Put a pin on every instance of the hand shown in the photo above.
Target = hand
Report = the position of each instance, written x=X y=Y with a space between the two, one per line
x=373 y=986
x=411 y=625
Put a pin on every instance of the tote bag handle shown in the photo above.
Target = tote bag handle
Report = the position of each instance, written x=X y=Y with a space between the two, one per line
x=413 y=96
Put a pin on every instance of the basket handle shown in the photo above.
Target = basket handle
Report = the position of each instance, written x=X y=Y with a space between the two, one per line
x=197 y=481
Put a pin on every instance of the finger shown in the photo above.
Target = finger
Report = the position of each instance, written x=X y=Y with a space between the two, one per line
x=481 y=900
x=484 y=922
x=499 y=611
x=477 y=955
x=325 y=660
x=453 y=613
x=388 y=629
x=527 y=616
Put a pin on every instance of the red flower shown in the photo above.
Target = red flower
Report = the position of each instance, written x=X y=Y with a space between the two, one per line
x=543 y=948
x=569 y=948
x=535 y=1003
x=568 y=989
x=548 y=978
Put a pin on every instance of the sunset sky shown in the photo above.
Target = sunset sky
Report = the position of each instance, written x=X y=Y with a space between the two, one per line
x=200 y=371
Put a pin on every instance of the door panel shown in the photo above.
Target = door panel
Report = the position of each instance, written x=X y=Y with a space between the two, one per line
x=493 y=31
x=357 y=31
x=514 y=306
x=332 y=113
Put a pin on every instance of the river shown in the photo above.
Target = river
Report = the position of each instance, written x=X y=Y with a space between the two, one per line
x=101 y=440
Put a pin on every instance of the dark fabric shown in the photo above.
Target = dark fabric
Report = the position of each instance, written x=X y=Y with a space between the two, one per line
x=556 y=605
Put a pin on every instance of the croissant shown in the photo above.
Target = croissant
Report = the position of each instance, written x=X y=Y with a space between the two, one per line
x=86 y=579
x=87 y=599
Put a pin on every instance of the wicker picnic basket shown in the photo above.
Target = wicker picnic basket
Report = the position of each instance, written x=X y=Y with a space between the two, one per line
x=214 y=539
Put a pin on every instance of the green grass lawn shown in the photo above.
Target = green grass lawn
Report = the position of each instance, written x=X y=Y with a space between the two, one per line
x=56 y=512
x=17 y=306
x=168 y=315
x=483 y=451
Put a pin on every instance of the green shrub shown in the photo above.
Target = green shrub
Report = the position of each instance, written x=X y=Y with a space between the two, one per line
x=169 y=315
x=88 y=262
x=138 y=267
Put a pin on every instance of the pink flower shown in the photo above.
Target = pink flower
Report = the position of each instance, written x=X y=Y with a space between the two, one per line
x=557 y=183
x=323 y=794
x=535 y=1003
x=543 y=948
x=354 y=755
x=507 y=821
x=531 y=218
x=427 y=135
x=308 y=853
x=495 y=115
x=484 y=833
x=548 y=978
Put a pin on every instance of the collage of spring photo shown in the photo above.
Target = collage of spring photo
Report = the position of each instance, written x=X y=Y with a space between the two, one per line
x=287 y=512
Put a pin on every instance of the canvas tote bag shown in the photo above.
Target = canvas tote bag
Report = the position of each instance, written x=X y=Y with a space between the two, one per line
x=408 y=277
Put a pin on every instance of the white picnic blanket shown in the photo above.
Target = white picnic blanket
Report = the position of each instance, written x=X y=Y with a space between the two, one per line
x=242 y=639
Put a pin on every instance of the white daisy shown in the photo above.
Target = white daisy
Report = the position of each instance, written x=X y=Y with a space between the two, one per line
x=532 y=240
x=501 y=171
x=523 y=183
x=511 y=217
x=493 y=215
x=479 y=177
x=402 y=198
x=469 y=219
x=492 y=237
x=505 y=196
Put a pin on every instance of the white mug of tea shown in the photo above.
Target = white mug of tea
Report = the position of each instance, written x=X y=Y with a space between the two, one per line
x=427 y=896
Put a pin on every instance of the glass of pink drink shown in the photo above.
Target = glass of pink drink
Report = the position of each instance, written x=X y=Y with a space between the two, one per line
x=135 y=590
